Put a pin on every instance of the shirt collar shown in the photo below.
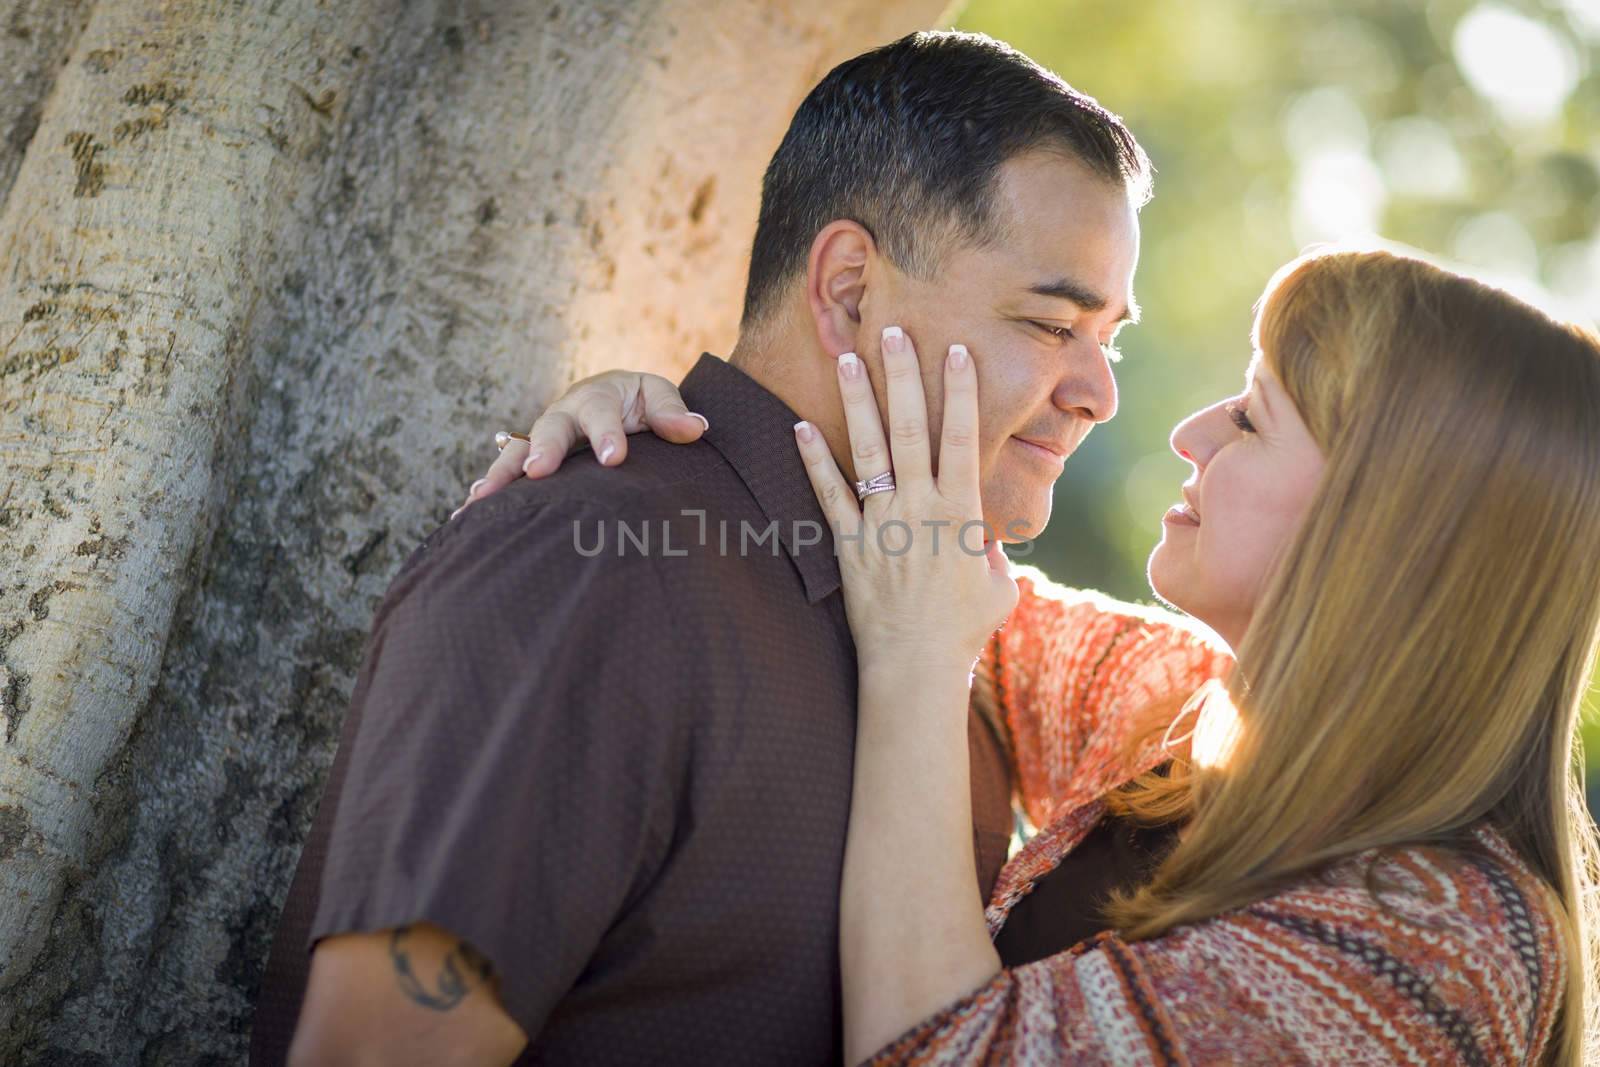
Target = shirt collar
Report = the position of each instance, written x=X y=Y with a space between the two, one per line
x=754 y=431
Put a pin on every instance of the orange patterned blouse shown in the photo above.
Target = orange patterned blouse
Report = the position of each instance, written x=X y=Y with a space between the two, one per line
x=1315 y=974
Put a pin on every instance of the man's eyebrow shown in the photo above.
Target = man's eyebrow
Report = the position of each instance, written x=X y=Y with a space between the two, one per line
x=1066 y=289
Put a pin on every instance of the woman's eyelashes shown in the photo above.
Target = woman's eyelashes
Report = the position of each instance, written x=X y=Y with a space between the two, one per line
x=1240 y=419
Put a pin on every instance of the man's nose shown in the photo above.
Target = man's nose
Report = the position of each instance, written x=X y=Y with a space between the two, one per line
x=1090 y=389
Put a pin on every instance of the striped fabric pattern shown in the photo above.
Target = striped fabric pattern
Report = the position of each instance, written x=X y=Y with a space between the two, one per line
x=1464 y=967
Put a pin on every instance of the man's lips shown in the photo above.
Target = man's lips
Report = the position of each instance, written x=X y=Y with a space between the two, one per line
x=1053 y=449
x=1057 y=448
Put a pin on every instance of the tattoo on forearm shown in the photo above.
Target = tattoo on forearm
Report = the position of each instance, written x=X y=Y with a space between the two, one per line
x=463 y=970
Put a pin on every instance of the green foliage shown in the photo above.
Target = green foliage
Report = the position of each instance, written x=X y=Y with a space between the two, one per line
x=1464 y=129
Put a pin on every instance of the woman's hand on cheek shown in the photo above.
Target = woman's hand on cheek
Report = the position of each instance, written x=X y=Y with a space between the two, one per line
x=599 y=411
x=923 y=589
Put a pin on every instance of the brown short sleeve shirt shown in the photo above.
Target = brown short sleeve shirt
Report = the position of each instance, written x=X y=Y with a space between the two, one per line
x=603 y=731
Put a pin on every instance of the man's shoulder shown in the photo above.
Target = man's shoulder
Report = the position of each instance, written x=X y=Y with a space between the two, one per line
x=583 y=524
x=659 y=481
x=657 y=475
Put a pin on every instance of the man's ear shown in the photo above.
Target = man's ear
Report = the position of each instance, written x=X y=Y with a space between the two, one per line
x=836 y=280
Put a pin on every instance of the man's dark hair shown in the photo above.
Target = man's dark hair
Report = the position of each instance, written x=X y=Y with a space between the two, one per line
x=908 y=140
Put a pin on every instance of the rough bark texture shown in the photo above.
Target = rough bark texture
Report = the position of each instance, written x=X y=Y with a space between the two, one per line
x=36 y=39
x=270 y=277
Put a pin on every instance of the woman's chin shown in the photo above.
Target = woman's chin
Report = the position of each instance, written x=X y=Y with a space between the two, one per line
x=1175 y=587
x=1163 y=572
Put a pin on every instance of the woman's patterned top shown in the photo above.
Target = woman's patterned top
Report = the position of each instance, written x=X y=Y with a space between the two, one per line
x=1314 y=974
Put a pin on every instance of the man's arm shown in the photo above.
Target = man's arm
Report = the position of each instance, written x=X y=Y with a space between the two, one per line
x=413 y=994
x=508 y=791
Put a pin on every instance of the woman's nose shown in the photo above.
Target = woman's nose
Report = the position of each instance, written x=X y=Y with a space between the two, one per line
x=1183 y=440
x=1198 y=437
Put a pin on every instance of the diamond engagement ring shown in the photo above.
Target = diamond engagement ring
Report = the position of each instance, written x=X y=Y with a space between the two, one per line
x=879 y=483
x=504 y=438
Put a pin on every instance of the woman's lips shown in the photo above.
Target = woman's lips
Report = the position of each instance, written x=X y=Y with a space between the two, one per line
x=1182 y=515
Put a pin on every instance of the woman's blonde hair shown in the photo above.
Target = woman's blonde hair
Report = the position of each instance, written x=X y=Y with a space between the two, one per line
x=1419 y=657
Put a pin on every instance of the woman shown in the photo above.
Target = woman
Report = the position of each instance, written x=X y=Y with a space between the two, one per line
x=1373 y=846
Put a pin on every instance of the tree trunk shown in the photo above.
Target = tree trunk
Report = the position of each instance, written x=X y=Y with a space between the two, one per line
x=272 y=276
x=36 y=38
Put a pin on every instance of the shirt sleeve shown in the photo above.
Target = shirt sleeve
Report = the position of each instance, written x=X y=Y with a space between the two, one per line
x=1308 y=976
x=1068 y=670
x=513 y=774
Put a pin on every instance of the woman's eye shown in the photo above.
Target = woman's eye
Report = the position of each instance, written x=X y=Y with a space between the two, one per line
x=1240 y=419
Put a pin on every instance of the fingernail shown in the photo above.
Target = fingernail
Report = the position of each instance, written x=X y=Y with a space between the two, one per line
x=849 y=365
x=958 y=356
x=458 y=511
x=479 y=484
x=703 y=420
x=803 y=430
x=527 y=464
x=894 y=339
x=607 y=449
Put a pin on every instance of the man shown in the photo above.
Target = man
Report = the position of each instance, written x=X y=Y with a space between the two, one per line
x=590 y=801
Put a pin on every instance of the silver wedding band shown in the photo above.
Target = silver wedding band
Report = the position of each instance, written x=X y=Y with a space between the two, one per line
x=879 y=483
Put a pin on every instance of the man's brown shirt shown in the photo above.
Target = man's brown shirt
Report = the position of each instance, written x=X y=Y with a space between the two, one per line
x=603 y=732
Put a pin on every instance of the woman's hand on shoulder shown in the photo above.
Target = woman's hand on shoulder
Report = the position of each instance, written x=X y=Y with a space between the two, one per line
x=599 y=411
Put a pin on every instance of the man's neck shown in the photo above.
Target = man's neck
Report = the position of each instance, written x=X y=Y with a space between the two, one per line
x=805 y=382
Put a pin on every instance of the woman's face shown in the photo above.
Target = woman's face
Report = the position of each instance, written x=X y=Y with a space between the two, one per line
x=1255 y=470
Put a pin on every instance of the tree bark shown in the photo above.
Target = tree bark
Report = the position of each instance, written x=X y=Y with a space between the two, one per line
x=272 y=276
x=36 y=37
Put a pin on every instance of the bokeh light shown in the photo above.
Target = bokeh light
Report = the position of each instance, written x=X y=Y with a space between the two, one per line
x=1522 y=66
x=1585 y=17
x=1419 y=159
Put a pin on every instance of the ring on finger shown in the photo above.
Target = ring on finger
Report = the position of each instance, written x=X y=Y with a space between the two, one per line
x=505 y=437
x=878 y=483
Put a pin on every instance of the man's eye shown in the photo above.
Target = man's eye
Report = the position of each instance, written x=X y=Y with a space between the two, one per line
x=1240 y=419
x=1064 y=333
x=1061 y=333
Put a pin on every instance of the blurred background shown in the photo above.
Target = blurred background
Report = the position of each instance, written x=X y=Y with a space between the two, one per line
x=1468 y=130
